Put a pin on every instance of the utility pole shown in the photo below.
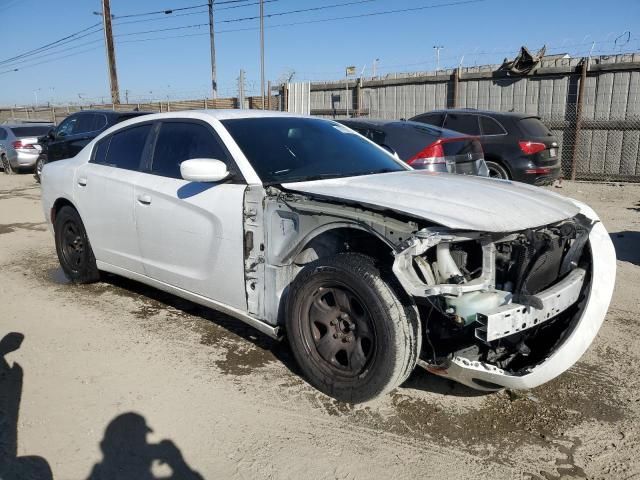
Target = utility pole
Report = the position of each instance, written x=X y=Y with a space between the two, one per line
x=111 y=54
x=214 y=83
x=262 y=51
x=126 y=96
x=438 y=48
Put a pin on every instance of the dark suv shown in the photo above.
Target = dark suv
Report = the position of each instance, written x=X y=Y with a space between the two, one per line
x=516 y=146
x=76 y=131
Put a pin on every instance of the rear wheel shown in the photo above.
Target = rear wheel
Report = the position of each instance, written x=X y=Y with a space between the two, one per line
x=6 y=165
x=496 y=170
x=38 y=170
x=352 y=331
x=73 y=247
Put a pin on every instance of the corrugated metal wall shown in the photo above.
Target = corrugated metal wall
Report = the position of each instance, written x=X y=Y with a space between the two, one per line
x=609 y=140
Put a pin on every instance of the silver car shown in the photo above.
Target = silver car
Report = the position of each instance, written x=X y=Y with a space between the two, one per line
x=19 y=142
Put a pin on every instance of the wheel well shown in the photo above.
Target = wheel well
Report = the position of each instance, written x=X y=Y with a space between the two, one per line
x=499 y=161
x=344 y=239
x=57 y=205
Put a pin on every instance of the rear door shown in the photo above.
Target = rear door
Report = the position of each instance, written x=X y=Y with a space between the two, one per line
x=104 y=194
x=463 y=123
x=191 y=234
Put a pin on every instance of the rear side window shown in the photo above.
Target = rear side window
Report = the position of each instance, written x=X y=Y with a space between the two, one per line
x=491 y=127
x=21 y=132
x=533 y=126
x=3 y=134
x=430 y=118
x=100 y=152
x=180 y=141
x=462 y=123
x=126 y=147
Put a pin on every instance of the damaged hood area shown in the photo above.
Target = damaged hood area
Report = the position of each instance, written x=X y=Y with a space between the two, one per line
x=454 y=201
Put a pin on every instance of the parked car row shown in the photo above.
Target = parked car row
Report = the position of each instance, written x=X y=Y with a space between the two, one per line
x=516 y=146
x=301 y=226
x=510 y=146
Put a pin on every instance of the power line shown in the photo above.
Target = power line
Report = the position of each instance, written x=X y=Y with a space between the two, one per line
x=387 y=12
x=195 y=25
x=49 y=53
x=165 y=11
x=168 y=17
x=362 y=15
x=51 y=60
x=302 y=10
x=35 y=50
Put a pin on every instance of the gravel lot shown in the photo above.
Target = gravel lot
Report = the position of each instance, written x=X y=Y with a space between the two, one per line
x=226 y=402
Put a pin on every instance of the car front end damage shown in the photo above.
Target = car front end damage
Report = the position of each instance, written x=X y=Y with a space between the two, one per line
x=508 y=310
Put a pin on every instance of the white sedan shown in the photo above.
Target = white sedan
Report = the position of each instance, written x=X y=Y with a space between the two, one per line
x=298 y=225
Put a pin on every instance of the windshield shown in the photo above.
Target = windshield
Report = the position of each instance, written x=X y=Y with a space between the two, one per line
x=34 y=131
x=291 y=149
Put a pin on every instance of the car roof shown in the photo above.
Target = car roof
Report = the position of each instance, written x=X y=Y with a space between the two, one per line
x=111 y=112
x=373 y=123
x=488 y=113
x=20 y=125
x=222 y=114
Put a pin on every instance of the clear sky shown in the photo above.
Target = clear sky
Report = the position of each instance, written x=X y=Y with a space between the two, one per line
x=153 y=66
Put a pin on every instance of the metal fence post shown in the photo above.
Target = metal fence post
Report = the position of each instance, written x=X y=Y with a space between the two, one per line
x=455 y=78
x=578 y=125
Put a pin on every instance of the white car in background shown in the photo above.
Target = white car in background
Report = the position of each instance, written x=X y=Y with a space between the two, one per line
x=298 y=225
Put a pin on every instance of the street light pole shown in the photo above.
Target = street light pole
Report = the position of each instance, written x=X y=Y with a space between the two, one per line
x=262 y=50
x=438 y=48
x=214 y=83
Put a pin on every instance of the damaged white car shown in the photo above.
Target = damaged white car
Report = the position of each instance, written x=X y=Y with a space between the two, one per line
x=300 y=226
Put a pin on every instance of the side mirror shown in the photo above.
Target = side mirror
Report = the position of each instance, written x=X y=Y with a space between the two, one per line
x=51 y=134
x=204 y=170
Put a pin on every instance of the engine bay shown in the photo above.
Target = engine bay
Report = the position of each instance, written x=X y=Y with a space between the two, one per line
x=504 y=300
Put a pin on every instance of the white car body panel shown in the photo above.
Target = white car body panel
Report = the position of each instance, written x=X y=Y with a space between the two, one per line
x=188 y=238
x=455 y=201
x=105 y=203
x=190 y=235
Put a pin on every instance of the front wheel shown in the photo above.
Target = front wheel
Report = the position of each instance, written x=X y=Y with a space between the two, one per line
x=73 y=247
x=353 y=331
x=497 y=171
x=6 y=165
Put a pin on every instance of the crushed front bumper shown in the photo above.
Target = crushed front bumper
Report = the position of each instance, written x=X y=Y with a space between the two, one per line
x=484 y=376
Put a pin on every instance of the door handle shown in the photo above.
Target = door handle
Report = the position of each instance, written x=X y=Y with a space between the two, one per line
x=82 y=182
x=144 y=199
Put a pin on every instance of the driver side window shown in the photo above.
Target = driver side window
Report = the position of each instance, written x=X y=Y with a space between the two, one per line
x=180 y=141
x=67 y=127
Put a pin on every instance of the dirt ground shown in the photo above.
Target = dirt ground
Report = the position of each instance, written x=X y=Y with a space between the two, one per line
x=101 y=364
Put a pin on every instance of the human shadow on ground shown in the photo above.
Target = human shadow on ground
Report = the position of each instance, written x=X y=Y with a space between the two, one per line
x=13 y=467
x=627 y=245
x=127 y=455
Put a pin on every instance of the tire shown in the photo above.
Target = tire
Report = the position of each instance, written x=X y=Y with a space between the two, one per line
x=354 y=333
x=6 y=165
x=73 y=247
x=37 y=174
x=497 y=171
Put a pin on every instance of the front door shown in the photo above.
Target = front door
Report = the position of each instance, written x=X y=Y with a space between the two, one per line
x=191 y=234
